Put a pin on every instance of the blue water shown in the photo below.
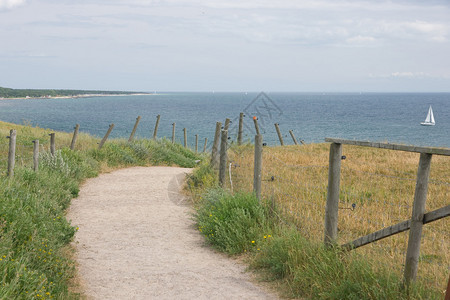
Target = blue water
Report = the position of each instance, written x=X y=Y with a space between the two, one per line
x=393 y=118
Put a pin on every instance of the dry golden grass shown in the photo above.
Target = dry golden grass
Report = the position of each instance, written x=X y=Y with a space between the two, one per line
x=379 y=182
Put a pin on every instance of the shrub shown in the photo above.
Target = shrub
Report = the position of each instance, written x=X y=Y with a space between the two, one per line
x=233 y=223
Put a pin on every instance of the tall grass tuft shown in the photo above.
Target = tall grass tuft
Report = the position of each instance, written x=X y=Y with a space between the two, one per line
x=232 y=223
x=308 y=269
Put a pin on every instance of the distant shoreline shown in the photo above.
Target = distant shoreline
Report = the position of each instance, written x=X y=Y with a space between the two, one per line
x=76 y=96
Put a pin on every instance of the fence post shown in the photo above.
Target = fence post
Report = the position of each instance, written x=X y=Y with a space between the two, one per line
x=173 y=133
x=331 y=209
x=255 y=120
x=75 y=136
x=223 y=158
x=106 y=136
x=293 y=137
x=447 y=293
x=258 y=166
x=415 y=232
x=155 y=132
x=280 y=137
x=52 y=143
x=185 y=138
x=36 y=155
x=196 y=143
x=134 y=129
x=227 y=124
x=12 y=152
x=241 y=126
x=204 y=146
x=215 y=147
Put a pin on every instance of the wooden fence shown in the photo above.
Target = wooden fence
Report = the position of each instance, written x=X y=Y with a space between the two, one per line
x=418 y=217
x=13 y=134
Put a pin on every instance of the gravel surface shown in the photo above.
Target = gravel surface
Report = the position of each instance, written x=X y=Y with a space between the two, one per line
x=137 y=240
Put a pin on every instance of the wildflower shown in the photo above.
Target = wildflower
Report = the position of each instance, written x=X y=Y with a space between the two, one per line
x=258 y=249
x=265 y=237
x=269 y=236
x=253 y=242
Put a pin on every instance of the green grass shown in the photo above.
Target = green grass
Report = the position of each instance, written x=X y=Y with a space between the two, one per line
x=233 y=223
x=34 y=231
x=35 y=256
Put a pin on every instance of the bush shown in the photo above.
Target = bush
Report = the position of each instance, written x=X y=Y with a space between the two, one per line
x=233 y=223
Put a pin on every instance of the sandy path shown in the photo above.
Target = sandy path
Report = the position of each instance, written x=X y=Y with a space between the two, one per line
x=137 y=240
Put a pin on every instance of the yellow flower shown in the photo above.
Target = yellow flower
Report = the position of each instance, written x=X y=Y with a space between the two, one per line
x=269 y=236
x=265 y=237
x=253 y=242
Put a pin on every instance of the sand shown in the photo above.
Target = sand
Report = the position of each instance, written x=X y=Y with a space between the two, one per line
x=137 y=240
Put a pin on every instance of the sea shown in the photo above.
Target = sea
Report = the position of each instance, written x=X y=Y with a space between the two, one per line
x=376 y=117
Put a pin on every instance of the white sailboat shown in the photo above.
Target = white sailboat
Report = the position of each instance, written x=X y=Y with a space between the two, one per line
x=429 y=121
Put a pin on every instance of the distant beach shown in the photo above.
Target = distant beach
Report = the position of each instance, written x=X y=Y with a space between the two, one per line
x=78 y=96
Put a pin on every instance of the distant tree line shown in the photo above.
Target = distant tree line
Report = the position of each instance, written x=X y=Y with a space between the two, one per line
x=38 y=93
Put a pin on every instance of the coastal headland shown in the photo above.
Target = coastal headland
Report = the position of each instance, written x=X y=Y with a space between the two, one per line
x=8 y=93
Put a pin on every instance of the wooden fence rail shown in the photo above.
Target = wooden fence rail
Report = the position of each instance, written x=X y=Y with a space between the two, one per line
x=418 y=218
x=397 y=228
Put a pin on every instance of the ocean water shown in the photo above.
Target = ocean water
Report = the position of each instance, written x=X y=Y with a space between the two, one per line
x=381 y=117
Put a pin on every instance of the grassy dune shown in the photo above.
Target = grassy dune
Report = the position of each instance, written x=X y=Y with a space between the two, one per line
x=378 y=183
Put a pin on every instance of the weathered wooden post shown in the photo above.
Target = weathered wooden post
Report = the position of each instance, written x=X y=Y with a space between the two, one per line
x=258 y=166
x=134 y=128
x=331 y=209
x=293 y=137
x=415 y=232
x=204 y=146
x=447 y=293
x=36 y=155
x=215 y=147
x=173 y=133
x=12 y=152
x=280 y=137
x=227 y=124
x=155 y=132
x=52 y=143
x=241 y=126
x=106 y=136
x=223 y=158
x=75 y=136
x=185 y=138
x=196 y=143
x=255 y=120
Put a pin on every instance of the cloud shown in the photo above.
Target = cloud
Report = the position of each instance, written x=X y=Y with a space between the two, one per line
x=8 y=4
x=409 y=75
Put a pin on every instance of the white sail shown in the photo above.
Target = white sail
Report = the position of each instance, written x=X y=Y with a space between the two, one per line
x=431 y=115
x=430 y=118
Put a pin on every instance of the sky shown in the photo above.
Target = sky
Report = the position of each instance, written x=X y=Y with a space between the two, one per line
x=226 y=45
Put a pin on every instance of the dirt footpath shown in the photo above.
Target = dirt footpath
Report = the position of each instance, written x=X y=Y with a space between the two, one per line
x=137 y=240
